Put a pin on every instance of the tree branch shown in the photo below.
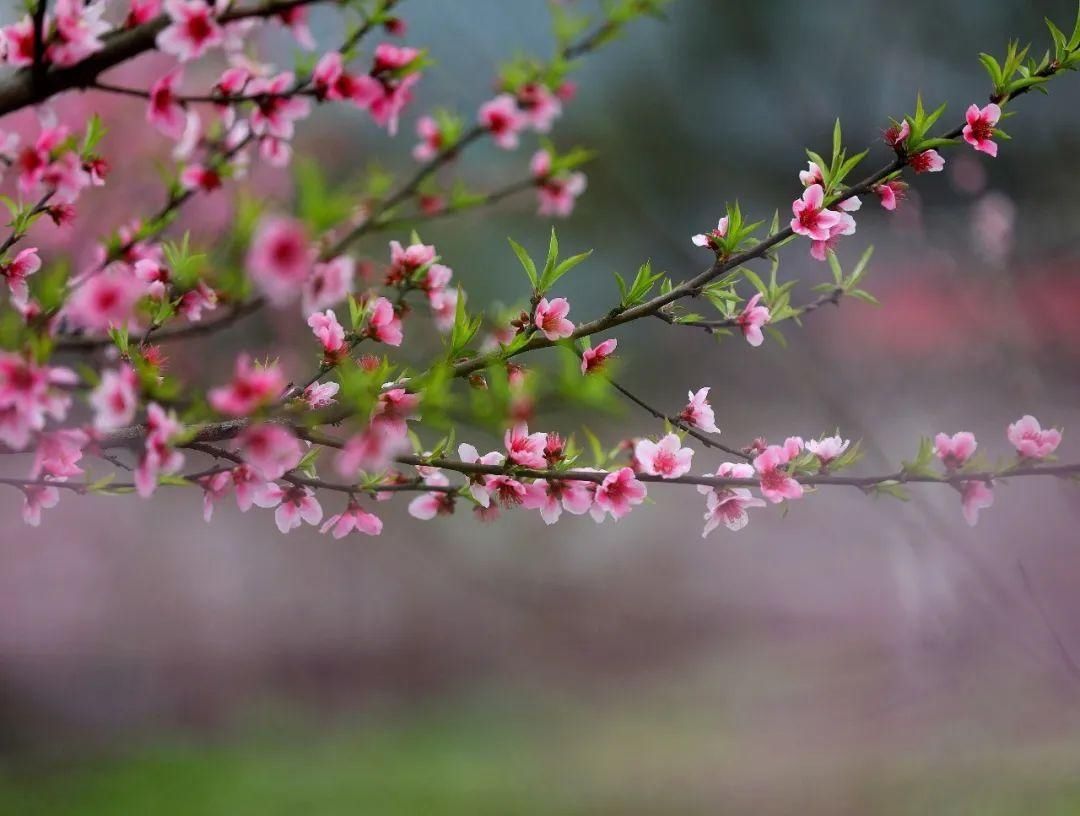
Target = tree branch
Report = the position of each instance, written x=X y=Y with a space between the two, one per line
x=22 y=89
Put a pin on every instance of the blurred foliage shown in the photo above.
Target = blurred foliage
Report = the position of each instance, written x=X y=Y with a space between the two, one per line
x=481 y=758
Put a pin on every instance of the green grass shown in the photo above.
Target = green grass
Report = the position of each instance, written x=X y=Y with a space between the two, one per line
x=629 y=754
x=456 y=764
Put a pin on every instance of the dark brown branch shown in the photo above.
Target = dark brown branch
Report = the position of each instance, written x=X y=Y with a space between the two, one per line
x=700 y=436
x=712 y=326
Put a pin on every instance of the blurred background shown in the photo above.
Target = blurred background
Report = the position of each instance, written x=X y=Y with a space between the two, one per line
x=854 y=656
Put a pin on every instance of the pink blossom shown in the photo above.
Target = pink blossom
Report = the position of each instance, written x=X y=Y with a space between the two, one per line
x=435 y=502
x=699 y=413
x=556 y=192
x=233 y=80
x=666 y=458
x=811 y=218
x=714 y=239
x=437 y=279
x=276 y=109
x=394 y=90
x=195 y=301
x=538 y=106
x=296 y=20
x=298 y=505
x=280 y=258
x=154 y=275
x=396 y=405
x=405 y=261
x=728 y=505
x=776 y=483
x=78 y=31
x=159 y=457
x=551 y=497
x=329 y=332
x=390 y=58
x=617 y=493
x=890 y=193
x=593 y=359
x=550 y=318
x=373 y=449
x=68 y=176
x=333 y=82
x=954 y=451
x=827 y=448
x=1030 y=440
x=431 y=139
x=979 y=130
x=215 y=488
x=270 y=449
x=353 y=518
x=751 y=319
x=105 y=301
x=58 y=454
x=115 y=399
x=844 y=226
x=16 y=271
x=479 y=484
x=320 y=394
x=443 y=308
x=198 y=177
x=501 y=117
x=506 y=490
x=18 y=39
x=394 y=95
x=525 y=449
x=896 y=135
x=384 y=326
x=928 y=161
x=329 y=283
x=29 y=396
x=252 y=387
x=975 y=496
x=141 y=11
x=793 y=445
x=192 y=31
x=165 y=112
x=812 y=175
x=35 y=499
x=191 y=138
x=252 y=490
x=33 y=159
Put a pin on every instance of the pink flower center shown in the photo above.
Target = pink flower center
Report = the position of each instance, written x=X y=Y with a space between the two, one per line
x=498 y=122
x=198 y=28
x=286 y=252
x=21 y=378
x=982 y=130
x=107 y=299
x=773 y=479
x=809 y=218
x=665 y=462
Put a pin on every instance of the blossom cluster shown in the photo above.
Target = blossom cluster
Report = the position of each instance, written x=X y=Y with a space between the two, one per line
x=359 y=423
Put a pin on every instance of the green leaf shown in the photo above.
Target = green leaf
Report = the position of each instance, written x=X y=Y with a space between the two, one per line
x=863 y=295
x=837 y=271
x=561 y=269
x=552 y=253
x=757 y=282
x=526 y=263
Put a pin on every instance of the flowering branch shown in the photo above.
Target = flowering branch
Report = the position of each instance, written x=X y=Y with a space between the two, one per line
x=269 y=428
x=111 y=48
